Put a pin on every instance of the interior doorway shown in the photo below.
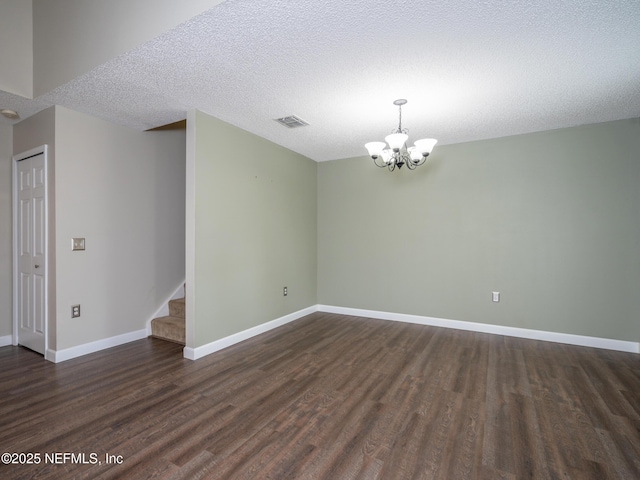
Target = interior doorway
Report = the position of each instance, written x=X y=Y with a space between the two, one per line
x=30 y=248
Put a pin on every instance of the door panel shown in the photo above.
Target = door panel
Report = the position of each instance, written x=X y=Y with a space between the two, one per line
x=38 y=305
x=25 y=227
x=24 y=309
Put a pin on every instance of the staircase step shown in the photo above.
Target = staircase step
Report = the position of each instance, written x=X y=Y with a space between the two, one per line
x=176 y=308
x=169 y=328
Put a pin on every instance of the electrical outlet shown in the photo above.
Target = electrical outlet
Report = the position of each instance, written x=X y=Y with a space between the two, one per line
x=285 y=291
x=75 y=311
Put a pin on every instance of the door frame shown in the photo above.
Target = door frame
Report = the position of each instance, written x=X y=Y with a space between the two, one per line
x=42 y=149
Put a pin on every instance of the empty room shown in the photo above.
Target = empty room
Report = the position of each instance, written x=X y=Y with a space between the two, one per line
x=319 y=239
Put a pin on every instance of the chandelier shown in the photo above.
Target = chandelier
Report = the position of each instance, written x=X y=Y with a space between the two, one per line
x=398 y=154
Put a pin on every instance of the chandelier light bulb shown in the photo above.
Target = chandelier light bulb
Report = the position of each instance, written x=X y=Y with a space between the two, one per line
x=425 y=146
x=375 y=148
x=396 y=141
x=415 y=154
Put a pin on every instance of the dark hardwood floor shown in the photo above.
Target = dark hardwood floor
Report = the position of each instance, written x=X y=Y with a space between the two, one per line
x=327 y=397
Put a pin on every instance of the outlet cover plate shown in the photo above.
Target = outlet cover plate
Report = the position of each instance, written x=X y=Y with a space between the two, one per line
x=75 y=311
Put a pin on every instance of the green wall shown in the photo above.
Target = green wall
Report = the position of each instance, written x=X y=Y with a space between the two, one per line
x=254 y=230
x=550 y=219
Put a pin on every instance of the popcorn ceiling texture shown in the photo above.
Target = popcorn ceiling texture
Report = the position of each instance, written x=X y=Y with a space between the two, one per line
x=470 y=70
x=25 y=107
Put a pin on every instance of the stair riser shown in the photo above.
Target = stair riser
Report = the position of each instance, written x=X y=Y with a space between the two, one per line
x=170 y=339
x=169 y=328
x=176 y=308
x=168 y=332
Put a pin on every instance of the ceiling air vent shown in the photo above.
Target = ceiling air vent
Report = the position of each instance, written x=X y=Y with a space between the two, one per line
x=291 y=121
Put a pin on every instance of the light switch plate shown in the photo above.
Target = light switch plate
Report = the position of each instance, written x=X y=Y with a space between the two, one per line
x=77 y=244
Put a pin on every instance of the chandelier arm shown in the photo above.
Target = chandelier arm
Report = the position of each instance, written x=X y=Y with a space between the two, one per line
x=381 y=165
x=393 y=163
x=406 y=158
x=411 y=164
x=422 y=161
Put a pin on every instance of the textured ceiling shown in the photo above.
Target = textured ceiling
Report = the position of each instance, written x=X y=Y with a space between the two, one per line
x=470 y=70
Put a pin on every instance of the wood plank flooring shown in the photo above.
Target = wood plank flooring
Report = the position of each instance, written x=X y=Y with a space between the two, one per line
x=327 y=397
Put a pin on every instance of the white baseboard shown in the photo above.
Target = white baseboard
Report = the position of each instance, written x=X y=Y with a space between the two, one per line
x=209 y=348
x=6 y=340
x=163 y=311
x=571 y=339
x=204 y=350
x=57 y=356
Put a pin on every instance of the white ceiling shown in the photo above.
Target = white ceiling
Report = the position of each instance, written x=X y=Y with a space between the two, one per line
x=470 y=69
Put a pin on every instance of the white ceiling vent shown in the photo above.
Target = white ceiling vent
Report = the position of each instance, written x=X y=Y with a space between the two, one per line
x=291 y=121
